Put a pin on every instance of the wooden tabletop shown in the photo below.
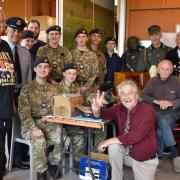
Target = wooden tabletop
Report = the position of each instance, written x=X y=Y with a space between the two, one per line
x=75 y=122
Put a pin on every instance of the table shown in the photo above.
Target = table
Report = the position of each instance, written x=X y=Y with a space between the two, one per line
x=94 y=124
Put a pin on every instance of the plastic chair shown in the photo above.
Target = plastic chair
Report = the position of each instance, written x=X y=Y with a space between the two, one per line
x=17 y=137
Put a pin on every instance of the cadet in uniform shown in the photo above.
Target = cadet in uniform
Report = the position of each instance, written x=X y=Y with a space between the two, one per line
x=156 y=52
x=132 y=55
x=57 y=55
x=35 y=101
x=68 y=84
x=96 y=37
x=86 y=61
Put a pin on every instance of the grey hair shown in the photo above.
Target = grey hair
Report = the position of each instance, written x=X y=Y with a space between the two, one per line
x=166 y=61
x=127 y=82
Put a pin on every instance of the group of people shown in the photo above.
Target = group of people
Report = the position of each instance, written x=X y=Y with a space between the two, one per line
x=32 y=72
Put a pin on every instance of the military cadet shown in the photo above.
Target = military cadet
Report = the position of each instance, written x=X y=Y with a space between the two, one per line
x=132 y=55
x=57 y=55
x=174 y=56
x=68 y=84
x=156 y=52
x=7 y=83
x=96 y=37
x=35 y=101
x=113 y=61
x=86 y=61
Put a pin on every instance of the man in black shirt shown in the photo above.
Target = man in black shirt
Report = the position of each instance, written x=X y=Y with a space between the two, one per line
x=7 y=82
x=34 y=26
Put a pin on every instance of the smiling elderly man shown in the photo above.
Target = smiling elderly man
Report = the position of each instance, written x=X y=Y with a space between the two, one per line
x=135 y=145
x=163 y=91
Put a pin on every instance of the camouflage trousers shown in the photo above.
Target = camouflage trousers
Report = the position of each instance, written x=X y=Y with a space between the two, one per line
x=78 y=140
x=40 y=145
x=98 y=136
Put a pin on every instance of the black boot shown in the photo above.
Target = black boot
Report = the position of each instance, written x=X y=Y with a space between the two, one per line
x=52 y=171
x=42 y=176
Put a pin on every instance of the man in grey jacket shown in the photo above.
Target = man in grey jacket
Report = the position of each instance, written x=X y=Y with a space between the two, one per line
x=163 y=91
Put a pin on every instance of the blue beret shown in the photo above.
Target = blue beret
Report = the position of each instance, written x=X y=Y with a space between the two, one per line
x=53 y=28
x=16 y=23
x=41 y=60
x=95 y=30
x=69 y=66
x=80 y=31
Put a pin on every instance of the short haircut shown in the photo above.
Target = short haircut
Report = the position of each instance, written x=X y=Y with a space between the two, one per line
x=33 y=21
x=167 y=61
x=127 y=82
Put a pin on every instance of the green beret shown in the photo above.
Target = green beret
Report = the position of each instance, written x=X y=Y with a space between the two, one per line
x=27 y=34
x=154 y=29
x=110 y=38
x=41 y=60
x=133 y=41
x=16 y=23
x=80 y=31
x=70 y=66
x=95 y=30
x=53 y=28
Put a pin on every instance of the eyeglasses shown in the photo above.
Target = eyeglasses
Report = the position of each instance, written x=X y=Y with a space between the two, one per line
x=130 y=93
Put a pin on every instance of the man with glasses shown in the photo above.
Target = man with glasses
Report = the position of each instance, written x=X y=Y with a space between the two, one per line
x=135 y=145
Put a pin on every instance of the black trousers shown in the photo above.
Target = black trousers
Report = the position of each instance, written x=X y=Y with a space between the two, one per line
x=5 y=125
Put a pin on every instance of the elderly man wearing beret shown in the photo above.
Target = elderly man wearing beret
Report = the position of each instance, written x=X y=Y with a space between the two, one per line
x=58 y=55
x=35 y=101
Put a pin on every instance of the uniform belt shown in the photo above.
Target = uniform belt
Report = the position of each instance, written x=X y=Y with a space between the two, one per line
x=37 y=117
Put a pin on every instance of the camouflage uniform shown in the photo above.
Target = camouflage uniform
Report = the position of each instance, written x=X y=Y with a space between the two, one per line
x=35 y=101
x=76 y=133
x=58 y=57
x=88 y=67
x=102 y=67
x=153 y=56
x=65 y=89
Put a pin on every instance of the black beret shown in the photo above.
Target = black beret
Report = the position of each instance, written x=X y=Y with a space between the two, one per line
x=16 y=23
x=41 y=60
x=133 y=41
x=95 y=30
x=53 y=28
x=110 y=38
x=154 y=29
x=80 y=31
x=28 y=34
x=69 y=66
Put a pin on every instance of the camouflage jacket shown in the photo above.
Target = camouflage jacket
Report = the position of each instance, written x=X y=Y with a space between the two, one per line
x=65 y=89
x=102 y=67
x=58 y=57
x=35 y=101
x=88 y=67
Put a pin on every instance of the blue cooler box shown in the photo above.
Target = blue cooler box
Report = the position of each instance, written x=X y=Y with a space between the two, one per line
x=98 y=167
